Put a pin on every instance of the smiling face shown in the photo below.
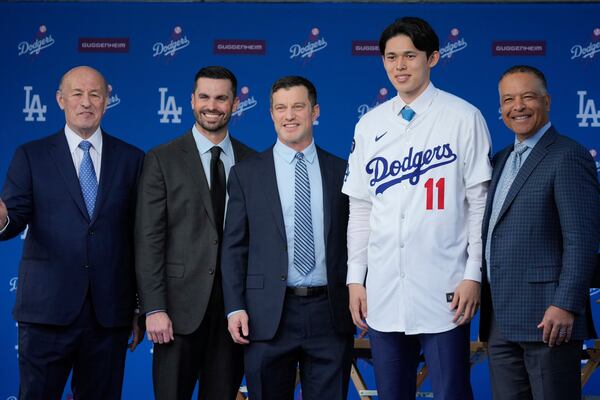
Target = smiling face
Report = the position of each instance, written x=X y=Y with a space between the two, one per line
x=83 y=96
x=293 y=116
x=213 y=102
x=524 y=104
x=407 y=67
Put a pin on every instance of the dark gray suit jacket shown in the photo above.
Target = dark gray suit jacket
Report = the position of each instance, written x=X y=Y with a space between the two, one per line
x=544 y=244
x=176 y=240
x=255 y=258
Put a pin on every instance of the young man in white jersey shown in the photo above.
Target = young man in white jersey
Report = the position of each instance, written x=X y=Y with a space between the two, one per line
x=417 y=179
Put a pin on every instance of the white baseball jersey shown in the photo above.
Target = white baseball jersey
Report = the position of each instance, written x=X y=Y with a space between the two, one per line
x=416 y=174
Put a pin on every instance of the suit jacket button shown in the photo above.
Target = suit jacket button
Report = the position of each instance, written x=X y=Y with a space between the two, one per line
x=215 y=241
x=283 y=277
x=91 y=233
x=85 y=267
x=211 y=271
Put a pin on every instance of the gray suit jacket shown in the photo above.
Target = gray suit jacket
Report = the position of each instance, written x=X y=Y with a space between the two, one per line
x=176 y=240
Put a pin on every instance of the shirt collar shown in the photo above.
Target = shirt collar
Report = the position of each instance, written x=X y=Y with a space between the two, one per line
x=204 y=145
x=288 y=154
x=532 y=140
x=420 y=104
x=74 y=139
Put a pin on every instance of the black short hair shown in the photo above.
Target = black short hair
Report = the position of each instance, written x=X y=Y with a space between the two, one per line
x=418 y=30
x=216 y=72
x=291 y=81
x=527 y=69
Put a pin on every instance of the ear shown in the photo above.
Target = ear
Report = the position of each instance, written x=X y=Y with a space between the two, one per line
x=60 y=100
x=236 y=104
x=316 y=111
x=548 y=102
x=433 y=59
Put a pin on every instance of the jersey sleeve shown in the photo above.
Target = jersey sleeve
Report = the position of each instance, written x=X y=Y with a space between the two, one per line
x=355 y=178
x=477 y=166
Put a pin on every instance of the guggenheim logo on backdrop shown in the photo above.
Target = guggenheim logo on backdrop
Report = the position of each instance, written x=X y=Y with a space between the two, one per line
x=519 y=48
x=240 y=47
x=103 y=45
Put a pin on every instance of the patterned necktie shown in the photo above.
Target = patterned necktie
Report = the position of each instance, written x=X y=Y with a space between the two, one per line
x=511 y=168
x=217 y=187
x=304 y=247
x=407 y=113
x=87 y=178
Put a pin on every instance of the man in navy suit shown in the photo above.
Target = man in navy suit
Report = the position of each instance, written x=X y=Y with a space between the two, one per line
x=540 y=235
x=284 y=258
x=76 y=297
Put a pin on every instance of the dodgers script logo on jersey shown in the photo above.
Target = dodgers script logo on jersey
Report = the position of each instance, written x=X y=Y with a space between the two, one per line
x=386 y=173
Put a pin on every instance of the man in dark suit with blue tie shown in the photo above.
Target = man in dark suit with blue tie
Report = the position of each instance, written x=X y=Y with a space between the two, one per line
x=76 y=297
x=284 y=258
x=540 y=235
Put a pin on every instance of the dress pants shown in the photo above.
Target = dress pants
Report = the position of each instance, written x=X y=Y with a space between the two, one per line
x=207 y=355
x=48 y=353
x=306 y=338
x=533 y=370
x=396 y=357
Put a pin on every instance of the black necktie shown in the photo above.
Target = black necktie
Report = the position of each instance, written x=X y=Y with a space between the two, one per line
x=217 y=187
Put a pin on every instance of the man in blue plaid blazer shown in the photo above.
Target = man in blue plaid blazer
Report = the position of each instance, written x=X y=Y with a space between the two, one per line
x=540 y=234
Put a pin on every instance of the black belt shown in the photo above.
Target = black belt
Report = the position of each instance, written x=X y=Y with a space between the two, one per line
x=305 y=291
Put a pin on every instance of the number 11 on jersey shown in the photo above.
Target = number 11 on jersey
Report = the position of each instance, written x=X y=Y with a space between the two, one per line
x=431 y=187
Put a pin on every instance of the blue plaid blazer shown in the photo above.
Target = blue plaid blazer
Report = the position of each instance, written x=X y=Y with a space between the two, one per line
x=544 y=243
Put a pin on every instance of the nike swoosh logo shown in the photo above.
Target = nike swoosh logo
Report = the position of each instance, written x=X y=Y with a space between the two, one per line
x=380 y=136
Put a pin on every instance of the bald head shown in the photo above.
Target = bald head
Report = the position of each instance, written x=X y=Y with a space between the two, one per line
x=83 y=96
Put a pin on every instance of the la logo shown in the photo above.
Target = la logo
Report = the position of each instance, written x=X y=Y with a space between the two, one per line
x=168 y=108
x=33 y=105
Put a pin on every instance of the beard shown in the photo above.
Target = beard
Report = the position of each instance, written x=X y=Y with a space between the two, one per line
x=213 y=126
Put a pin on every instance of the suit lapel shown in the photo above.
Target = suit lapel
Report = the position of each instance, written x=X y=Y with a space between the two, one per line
x=496 y=173
x=107 y=171
x=328 y=183
x=537 y=154
x=59 y=151
x=268 y=182
x=239 y=151
x=189 y=152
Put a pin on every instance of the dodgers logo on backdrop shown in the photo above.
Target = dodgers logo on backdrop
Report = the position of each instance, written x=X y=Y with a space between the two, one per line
x=13 y=284
x=33 y=105
x=42 y=41
x=168 y=48
x=113 y=98
x=315 y=42
x=247 y=102
x=379 y=99
x=587 y=111
x=453 y=45
x=589 y=49
x=168 y=108
x=410 y=168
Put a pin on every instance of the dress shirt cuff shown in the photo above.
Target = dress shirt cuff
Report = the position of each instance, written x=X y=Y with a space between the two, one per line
x=234 y=312
x=149 y=313
x=5 y=226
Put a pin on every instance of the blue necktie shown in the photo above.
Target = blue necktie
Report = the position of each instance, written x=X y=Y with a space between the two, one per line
x=87 y=178
x=304 y=247
x=511 y=168
x=407 y=113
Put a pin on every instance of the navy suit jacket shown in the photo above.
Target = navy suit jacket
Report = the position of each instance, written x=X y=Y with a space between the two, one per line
x=66 y=254
x=254 y=256
x=544 y=243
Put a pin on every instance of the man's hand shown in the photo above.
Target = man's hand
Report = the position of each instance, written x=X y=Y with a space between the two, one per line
x=557 y=324
x=237 y=324
x=358 y=305
x=465 y=301
x=159 y=327
x=137 y=333
x=3 y=215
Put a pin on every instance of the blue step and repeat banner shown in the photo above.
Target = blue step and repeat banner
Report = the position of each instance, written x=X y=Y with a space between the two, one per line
x=149 y=53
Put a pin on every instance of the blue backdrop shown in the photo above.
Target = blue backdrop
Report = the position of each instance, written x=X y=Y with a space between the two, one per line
x=150 y=53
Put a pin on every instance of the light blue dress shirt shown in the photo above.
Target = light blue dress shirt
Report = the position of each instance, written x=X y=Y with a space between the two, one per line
x=204 y=145
x=285 y=168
